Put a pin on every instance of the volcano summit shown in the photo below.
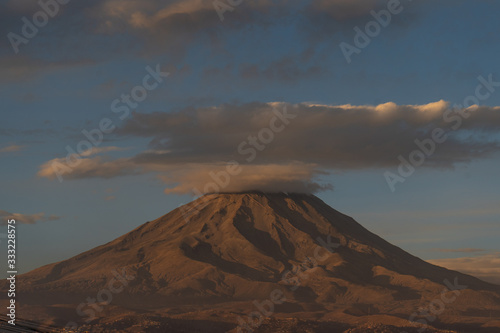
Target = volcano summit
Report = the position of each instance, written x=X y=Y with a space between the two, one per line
x=243 y=262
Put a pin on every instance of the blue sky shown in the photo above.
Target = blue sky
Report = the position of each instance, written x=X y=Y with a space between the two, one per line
x=66 y=77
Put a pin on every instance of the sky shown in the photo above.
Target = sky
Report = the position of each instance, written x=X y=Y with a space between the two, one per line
x=115 y=112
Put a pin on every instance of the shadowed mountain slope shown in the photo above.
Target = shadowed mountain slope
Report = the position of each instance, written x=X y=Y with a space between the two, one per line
x=213 y=258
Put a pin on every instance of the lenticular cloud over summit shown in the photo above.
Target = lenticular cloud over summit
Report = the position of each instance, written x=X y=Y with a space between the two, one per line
x=286 y=147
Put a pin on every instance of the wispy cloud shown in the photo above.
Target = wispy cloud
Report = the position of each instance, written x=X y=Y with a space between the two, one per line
x=26 y=218
x=24 y=67
x=463 y=250
x=156 y=26
x=343 y=9
x=87 y=165
x=11 y=148
x=94 y=167
x=101 y=150
x=486 y=267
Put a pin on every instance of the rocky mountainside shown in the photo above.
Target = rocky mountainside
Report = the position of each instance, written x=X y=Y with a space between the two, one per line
x=215 y=261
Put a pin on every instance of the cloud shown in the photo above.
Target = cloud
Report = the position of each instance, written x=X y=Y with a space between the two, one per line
x=37 y=132
x=24 y=218
x=86 y=165
x=24 y=67
x=173 y=26
x=194 y=178
x=194 y=16
x=286 y=69
x=11 y=148
x=95 y=167
x=290 y=145
x=207 y=178
x=145 y=28
x=158 y=27
x=100 y=150
x=464 y=250
x=485 y=267
x=345 y=137
x=344 y=9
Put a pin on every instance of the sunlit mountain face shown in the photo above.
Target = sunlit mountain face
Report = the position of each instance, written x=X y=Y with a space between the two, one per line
x=224 y=256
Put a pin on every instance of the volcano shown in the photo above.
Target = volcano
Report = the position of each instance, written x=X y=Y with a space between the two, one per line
x=261 y=262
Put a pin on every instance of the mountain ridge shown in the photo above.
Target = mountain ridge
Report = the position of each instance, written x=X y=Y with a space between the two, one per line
x=235 y=248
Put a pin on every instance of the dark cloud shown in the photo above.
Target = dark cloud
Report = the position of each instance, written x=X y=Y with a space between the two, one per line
x=144 y=28
x=340 y=137
x=165 y=28
x=278 y=145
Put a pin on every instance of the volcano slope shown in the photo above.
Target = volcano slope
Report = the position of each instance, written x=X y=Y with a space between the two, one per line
x=229 y=262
